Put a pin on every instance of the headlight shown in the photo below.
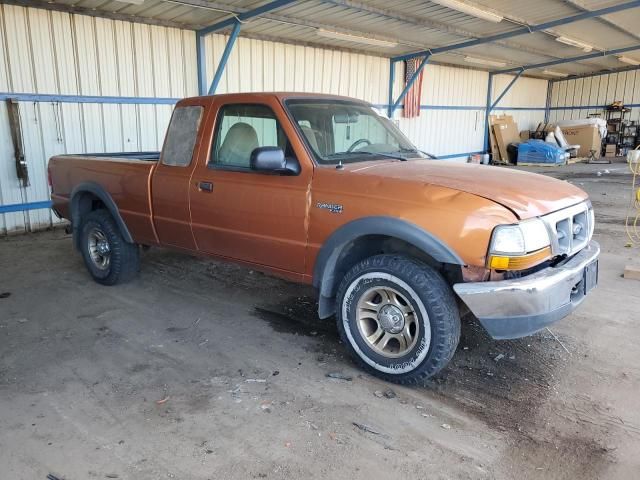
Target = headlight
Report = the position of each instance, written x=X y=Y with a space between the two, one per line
x=520 y=246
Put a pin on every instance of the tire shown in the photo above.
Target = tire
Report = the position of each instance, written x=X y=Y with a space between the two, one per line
x=108 y=257
x=386 y=293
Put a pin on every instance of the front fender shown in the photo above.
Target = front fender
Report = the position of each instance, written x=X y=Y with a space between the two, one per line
x=324 y=272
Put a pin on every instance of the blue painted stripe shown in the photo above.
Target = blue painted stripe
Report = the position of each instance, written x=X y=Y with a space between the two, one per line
x=41 y=97
x=462 y=107
x=455 y=155
x=533 y=109
x=450 y=107
x=21 y=207
x=591 y=107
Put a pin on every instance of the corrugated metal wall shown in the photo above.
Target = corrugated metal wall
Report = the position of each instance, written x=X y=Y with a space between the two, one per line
x=258 y=65
x=526 y=101
x=451 y=120
x=577 y=98
x=57 y=53
x=453 y=104
x=48 y=52
x=453 y=99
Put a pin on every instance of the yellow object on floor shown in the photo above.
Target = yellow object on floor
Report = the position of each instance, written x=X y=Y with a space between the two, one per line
x=633 y=214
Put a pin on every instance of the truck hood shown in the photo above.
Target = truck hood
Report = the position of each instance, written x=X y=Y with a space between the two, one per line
x=526 y=194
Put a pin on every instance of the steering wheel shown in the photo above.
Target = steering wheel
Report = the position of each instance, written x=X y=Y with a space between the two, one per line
x=358 y=142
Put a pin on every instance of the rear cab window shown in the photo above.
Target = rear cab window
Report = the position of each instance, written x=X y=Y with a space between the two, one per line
x=182 y=135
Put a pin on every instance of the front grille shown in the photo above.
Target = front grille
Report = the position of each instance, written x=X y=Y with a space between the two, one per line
x=570 y=229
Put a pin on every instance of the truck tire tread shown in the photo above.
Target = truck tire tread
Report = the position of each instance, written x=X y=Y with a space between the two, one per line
x=439 y=302
x=125 y=257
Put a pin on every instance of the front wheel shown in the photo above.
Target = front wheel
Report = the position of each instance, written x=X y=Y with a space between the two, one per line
x=399 y=317
x=107 y=255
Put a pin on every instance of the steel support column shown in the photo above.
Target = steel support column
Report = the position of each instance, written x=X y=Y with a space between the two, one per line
x=409 y=84
x=225 y=57
x=490 y=106
x=547 y=105
x=235 y=21
x=486 y=113
x=201 y=64
x=392 y=78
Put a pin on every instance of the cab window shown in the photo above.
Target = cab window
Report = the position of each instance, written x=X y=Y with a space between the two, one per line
x=181 y=136
x=240 y=129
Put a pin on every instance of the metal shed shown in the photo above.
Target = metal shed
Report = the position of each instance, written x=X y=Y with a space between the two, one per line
x=103 y=75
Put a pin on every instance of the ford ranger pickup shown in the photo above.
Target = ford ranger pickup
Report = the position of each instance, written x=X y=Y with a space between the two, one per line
x=323 y=190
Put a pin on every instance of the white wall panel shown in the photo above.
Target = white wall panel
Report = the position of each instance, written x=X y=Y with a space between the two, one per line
x=258 y=65
x=444 y=130
x=57 y=53
x=528 y=96
x=594 y=93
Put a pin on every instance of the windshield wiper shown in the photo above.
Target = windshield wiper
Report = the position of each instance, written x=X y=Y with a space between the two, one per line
x=415 y=150
x=386 y=155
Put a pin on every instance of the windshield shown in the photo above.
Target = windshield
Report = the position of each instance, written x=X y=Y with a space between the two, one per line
x=342 y=131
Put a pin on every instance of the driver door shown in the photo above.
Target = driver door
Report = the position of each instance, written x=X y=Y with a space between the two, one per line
x=242 y=214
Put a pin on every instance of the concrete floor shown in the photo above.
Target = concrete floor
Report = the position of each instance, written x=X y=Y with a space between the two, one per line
x=201 y=370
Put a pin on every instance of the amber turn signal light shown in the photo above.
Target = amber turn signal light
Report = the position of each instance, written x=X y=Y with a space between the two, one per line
x=520 y=262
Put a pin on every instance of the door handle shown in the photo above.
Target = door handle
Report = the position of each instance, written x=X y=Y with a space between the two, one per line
x=205 y=187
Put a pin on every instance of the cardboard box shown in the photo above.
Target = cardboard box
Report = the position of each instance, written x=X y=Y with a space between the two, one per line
x=610 y=150
x=504 y=131
x=587 y=136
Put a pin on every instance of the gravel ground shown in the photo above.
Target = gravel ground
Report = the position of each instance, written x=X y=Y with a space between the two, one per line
x=204 y=370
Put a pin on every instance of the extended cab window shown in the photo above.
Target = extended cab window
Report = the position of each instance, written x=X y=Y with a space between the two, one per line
x=181 y=136
x=240 y=129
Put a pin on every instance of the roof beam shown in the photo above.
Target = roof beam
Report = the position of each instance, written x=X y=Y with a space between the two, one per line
x=422 y=22
x=237 y=11
x=630 y=68
x=247 y=15
x=587 y=56
x=524 y=30
x=59 y=7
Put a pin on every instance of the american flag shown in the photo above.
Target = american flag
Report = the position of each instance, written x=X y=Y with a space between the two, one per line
x=412 y=99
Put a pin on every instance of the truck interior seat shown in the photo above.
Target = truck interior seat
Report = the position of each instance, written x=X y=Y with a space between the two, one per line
x=311 y=137
x=239 y=142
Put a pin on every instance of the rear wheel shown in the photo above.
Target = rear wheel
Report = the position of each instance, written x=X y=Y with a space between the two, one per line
x=399 y=318
x=107 y=256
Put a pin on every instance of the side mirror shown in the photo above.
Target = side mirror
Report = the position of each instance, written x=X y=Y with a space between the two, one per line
x=272 y=160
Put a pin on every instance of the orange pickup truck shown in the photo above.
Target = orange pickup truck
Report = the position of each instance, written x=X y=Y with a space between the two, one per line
x=323 y=190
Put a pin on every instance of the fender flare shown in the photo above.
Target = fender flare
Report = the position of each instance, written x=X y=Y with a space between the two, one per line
x=325 y=266
x=104 y=196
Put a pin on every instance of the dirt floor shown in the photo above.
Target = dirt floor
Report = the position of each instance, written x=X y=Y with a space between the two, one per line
x=203 y=370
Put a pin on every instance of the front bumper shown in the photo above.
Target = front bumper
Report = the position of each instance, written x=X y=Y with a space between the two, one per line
x=519 y=307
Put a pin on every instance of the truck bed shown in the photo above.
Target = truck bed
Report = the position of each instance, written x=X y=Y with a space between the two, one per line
x=124 y=176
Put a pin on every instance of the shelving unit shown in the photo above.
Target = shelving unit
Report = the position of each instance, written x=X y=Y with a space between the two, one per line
x=619 y=131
